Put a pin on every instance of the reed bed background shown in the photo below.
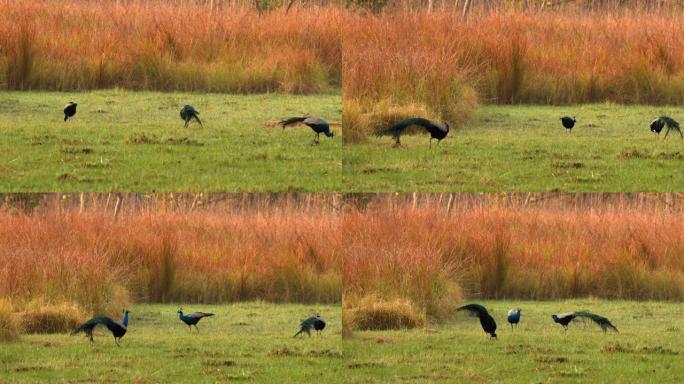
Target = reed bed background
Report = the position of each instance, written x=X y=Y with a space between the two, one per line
x=435 y=251
x=102 y=261
x=440 y=64
x=168 y=45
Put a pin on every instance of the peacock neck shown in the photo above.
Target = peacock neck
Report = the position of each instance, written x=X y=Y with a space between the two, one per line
x=125 y=320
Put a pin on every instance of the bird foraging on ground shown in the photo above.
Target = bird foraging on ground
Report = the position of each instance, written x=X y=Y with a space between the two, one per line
x=317 y=124
x=514 y=317
x=565 y=318
x=69 y=110
x=436 y=131
x=187 y=113
x=568 y=123
x=315 y=322
x=486 y=320
x=192 y=318
x=118 y=330
x=658 y=124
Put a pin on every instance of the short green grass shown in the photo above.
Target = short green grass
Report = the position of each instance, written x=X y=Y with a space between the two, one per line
x=135 y=141
x=246 y=342
x=649 y=347
x=525 y=148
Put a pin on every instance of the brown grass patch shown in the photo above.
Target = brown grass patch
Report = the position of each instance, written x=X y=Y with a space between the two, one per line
x=371 y=313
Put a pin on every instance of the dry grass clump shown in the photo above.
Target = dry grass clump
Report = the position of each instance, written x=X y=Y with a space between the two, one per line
x=371 y=313
x=9 y=324
x=168 y=45
x=40 y=317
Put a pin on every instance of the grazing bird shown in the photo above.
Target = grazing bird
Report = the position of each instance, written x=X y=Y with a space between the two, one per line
x=187 y=113
x=514 y=317
x=317 y=124
x=568 y=123
x=486 y=320
x=315 y=322
x=436 y=131
x=658 y=124
x=565 y=318
x=192 y=318
x=118 y=330
x=69 y=110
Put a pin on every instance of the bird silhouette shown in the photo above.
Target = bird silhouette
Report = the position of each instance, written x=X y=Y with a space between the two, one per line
x=436 y=131
x=69 y=110
x=187 y=113
x=568 y=122
x=192 y=318
x=315 y=322
x=486 y=320
x=317 y=124
x=565 y=318
x=118 y=330
x=658 y=124
x=514 y=317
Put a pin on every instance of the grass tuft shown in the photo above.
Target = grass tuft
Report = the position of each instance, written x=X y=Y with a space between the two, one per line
x=40 y=317
x=370 y=313
x=9 y=324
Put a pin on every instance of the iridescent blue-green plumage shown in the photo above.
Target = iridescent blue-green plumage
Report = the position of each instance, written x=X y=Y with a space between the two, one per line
x=514 y=317
x=565 y=318
x=192 y=318
x=436 y=131
x=118 y=330
x=486 y=320
x=187 y=113
x=316 y=323
x=316 y=124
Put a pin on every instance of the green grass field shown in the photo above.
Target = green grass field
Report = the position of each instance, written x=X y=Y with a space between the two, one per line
x=249 y=342
x=648 y=348
x=135 y=141
x=525 y=148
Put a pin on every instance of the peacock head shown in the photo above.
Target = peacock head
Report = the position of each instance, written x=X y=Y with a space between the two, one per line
x=555 y=318
x=180 y=311
x=494 y=335
x=330 y=133
x=446 y=126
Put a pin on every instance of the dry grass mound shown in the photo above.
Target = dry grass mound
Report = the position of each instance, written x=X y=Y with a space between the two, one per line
x=9 y=325
x=39 y=317
x=371 y=313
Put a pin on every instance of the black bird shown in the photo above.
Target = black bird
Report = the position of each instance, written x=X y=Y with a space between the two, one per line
x=568 y=122
x=69 y=110
x=317 y=124
x=658 y=124
x=188 y=113
x=565 y=318
x=514 y=317
x=486 y=320
x=192 y=318
x=118 y=330
x=436 y=131
x=315 y=322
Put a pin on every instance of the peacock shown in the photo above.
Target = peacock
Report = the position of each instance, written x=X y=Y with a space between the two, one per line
x=192 y=318
x=317 y=124
x=187 y=113
x=565 y=318
x=514 y=317
x=69 y=110
x=118 y=330
x=436 y=131
x=568 y=123
x=658 y=124
x=315 y=322
x=486 y=320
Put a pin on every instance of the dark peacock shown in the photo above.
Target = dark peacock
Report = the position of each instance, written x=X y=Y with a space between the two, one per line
x=187 y=113
x=315 y=322
x=69 y=110
x=658 y=124
x=565 y=318
x=568 y=123
x=192 y=318
x=486 y=320
x=317 y=124
x=514 y=317
x=436 y=131
x=117 y=330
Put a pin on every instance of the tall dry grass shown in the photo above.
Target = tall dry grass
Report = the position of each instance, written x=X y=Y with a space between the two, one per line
x=440 y=61
x=167 y=45
x=432 y=256
x=101 y=262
